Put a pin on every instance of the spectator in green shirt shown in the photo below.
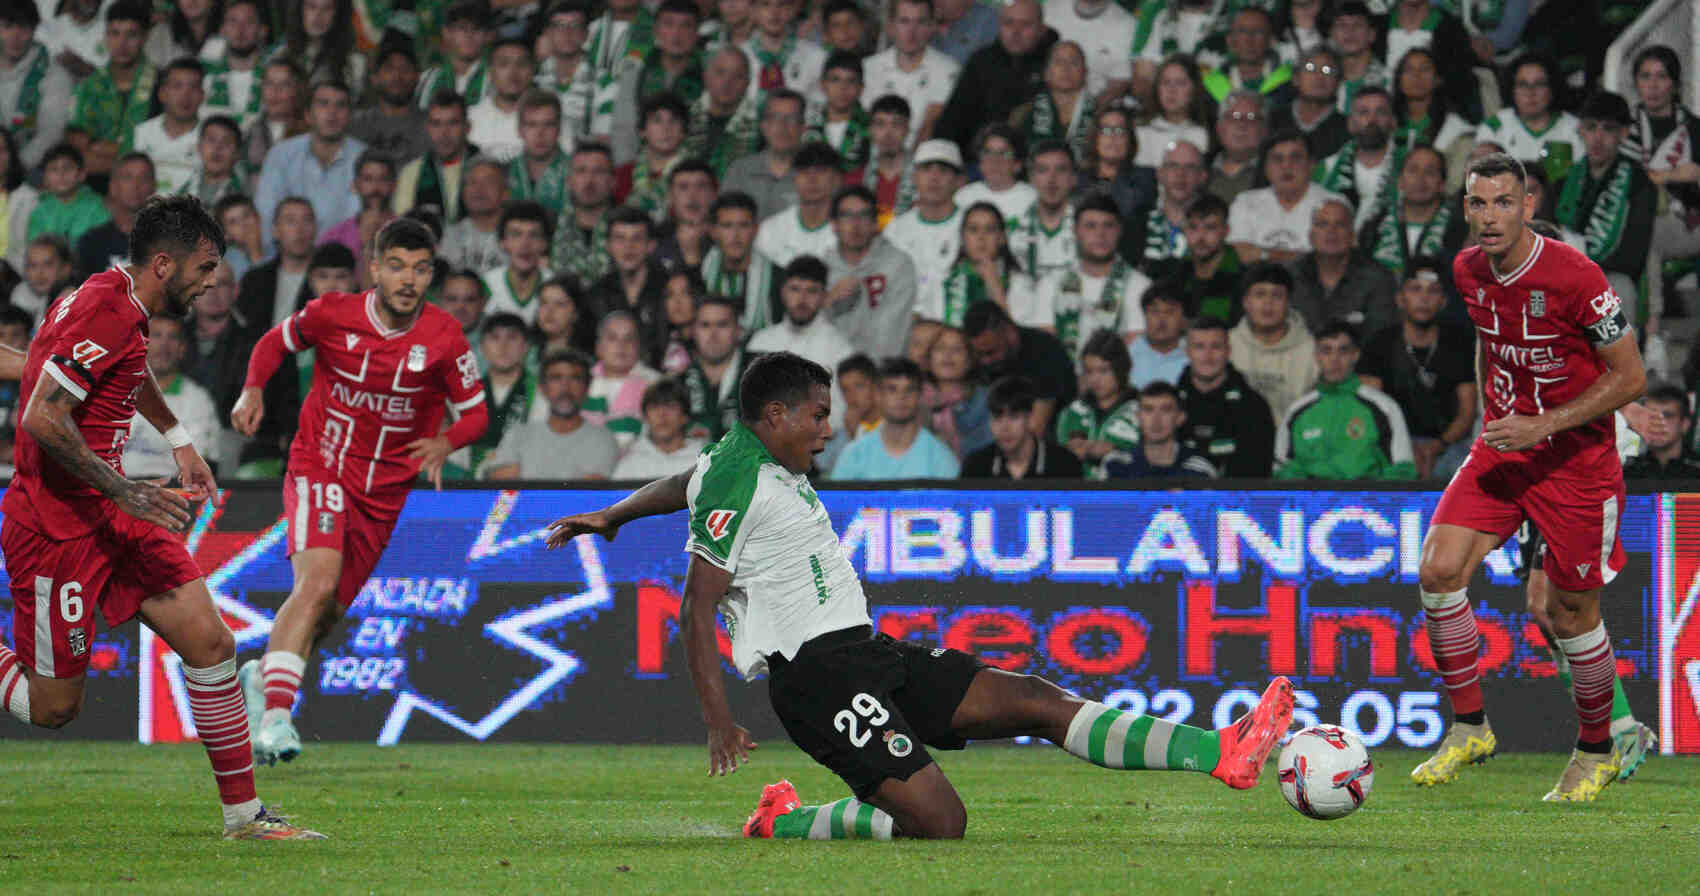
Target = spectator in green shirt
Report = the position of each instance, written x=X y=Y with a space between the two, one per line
x=1104 y=420
x=67 y=206
x=112 y=101
x=1342 y=429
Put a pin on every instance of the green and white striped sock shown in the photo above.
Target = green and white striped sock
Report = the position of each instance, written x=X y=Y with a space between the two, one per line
x=1115 y=739
x=1622 y=718
x=847 y=819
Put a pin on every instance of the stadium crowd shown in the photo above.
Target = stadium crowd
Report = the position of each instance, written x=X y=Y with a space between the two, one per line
x=1077 y=239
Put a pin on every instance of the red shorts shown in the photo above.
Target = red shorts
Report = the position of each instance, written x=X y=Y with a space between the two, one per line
x=57 y=584
x=1577 y=515
x=322 y=513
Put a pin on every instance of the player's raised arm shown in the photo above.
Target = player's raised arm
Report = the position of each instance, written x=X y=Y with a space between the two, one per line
x=48 y=419
x=729 y=743
x=663 y=496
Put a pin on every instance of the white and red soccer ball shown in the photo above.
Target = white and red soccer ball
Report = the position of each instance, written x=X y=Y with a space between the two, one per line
x=1325 y=772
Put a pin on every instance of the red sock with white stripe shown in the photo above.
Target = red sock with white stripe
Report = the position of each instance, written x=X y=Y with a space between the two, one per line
x=1593 y=673
x=281 y=671
x=221 y=721
x=14 y=685
x=1456 y=644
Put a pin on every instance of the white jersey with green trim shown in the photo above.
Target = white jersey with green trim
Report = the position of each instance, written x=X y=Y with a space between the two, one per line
x=766 y=526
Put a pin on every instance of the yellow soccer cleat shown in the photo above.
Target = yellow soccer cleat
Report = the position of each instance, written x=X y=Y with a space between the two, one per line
x=1584 y=778
x=1464 y=745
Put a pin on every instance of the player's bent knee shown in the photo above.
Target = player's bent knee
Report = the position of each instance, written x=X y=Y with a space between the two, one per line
x=948 y=821
x=55 y=710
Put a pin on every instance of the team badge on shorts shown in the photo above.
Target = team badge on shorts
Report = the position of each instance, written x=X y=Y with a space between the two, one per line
x=416 y=359
x=1537 y=303
x=79 y=641
x=327 y=523
x=899 y=744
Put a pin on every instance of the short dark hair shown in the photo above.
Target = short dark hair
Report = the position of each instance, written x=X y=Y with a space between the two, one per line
x=397 y=46
x=982 y=317
x=666 y=390
x=222 y=121
x=476 y=12
x=573 y=356
x=1429 y=148
x=778 y=376
x=445 y=98
x=1267 y=272
x=816 y=154
x=1372 y=90
x=1098 y=201
x=137 y=11
x=664 y=102
x=783 y=93
x=854 y=191
x=1160 y=388
x=136 y=155
x=834 y=7
x=62 y=151
x=503 y=320
x=525 y=210
x=183 y=64
x=736 y=199
x=1046 y=147
x=806 y=267
x=56 y=241
x=11 y=315
x=1012 y=395
x=858 y=363
x=1107 y=345
x=1163 y=291
x=1284 y=135
x=1338 y=327
x=627 y=214
x=1206 y=322
x=174 y=225
x=228 y=202
x=1208 y=204
x=891 y=104
x=21 y=15
x=1496 y=163
x=375 y=157
x=693 y=166
x=843 y=60
x=899 y=367
x=331 y=84
x=332 y=255
x=407 y=234
x=1668 y=392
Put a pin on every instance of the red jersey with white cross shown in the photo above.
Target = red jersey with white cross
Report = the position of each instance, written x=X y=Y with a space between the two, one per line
x=1540 y=325
x=94 y=342
x=375 y=391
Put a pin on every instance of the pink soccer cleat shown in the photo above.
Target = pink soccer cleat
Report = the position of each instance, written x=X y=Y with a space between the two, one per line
x=777 y=799
x=1247 y=742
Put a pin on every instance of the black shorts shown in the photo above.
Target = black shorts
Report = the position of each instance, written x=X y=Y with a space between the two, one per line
x=1531 y=549
x=864 y=705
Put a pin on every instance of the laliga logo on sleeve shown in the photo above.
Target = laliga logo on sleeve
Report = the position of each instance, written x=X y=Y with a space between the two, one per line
x=720 y=522
x=87 y=352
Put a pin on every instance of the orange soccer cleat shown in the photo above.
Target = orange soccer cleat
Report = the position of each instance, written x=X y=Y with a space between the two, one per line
x=1246 y=743
x=777 y=799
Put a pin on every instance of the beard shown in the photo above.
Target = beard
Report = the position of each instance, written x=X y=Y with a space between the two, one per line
x=1374 y=139
x=1107 y=258
x=384 y=299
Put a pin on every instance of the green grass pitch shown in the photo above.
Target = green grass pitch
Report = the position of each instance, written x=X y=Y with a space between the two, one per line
x=122 y=818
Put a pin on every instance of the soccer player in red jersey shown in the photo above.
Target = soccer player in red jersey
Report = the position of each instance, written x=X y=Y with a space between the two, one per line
x=1556 y=356
x=79 y=537
x=387 y=367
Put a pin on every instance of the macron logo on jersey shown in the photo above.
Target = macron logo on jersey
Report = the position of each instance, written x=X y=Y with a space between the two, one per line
x=351 y=339
x=87 y=352
x=720 y=522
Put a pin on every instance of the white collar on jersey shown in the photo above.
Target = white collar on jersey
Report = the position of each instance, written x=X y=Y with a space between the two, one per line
x=130 y=290
x=1508 y=279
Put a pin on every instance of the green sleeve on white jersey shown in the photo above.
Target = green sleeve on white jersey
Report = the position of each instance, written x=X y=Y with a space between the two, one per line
x=1121 y=428
x=1074 y=420
x=722 y=493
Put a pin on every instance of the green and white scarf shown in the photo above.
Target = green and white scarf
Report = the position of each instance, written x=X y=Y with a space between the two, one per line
x=1374 y=76
x=964 y=288
x=1044 y=122
x=607 y=56
x=1070 y=310
x=29 y=94
x=1339 y=173
x=771 y=63
x=574 y=252
x=740 y=137
x=653 y=80
x=753 y=287
x=198 y=187
x=442 y=77
x=550 y=188
x=1606 y=201
x=649 y=187
x=855 y=147
x=1162 y=241
x=1390 y=248
x=905 y=185
x=1029 y=232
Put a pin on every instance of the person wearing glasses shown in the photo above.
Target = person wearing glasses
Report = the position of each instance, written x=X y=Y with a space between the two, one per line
x=1315 y=112
x=1534 y=126
x=1241 y=126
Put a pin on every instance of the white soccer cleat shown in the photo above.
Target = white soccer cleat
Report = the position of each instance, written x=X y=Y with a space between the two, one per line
x=1630 y=748
x=276 y=740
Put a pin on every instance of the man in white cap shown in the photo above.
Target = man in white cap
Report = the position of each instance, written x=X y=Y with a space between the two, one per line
x=931 y=230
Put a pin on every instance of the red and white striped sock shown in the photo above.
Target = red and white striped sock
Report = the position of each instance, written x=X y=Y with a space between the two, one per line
x=1455 y=643
x=14 y=685
x=281 y=672
x=1593 y=674
x=221 y=721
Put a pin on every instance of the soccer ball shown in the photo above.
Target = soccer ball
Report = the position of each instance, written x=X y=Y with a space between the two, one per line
x=1325 y=772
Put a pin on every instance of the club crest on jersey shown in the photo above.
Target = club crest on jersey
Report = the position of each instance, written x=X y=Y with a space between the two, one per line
x=1537 y=303
x=327 y=522
x=78 y=641
x=351 y=340
x=416 y=359
x=899 y=744
x=87 y=352
x=719 y=522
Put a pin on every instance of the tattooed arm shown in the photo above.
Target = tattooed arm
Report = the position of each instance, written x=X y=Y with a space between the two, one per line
x=48 y=419
x=192 y=469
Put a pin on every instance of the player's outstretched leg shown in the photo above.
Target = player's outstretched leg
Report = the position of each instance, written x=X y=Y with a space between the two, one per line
x=186 y=619
x=1631 y=741
x=274 y=683
x=780 y=814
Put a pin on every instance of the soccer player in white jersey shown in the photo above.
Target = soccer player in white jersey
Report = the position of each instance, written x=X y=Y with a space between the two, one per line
x=763 y=552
